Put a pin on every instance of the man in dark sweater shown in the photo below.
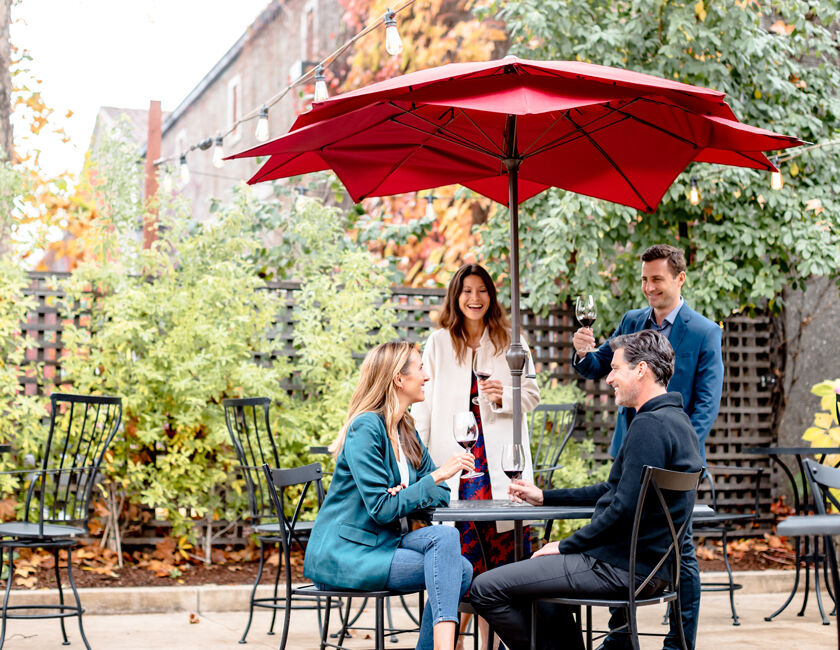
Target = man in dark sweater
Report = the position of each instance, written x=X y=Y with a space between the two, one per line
x=595 y=560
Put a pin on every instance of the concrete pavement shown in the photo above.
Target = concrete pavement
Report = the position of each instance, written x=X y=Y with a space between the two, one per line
x=146 y=619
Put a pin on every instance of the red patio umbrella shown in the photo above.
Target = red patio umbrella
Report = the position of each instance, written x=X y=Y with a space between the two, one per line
x=511 y=128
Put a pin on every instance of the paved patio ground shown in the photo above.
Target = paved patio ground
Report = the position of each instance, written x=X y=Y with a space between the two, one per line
x=222 y=629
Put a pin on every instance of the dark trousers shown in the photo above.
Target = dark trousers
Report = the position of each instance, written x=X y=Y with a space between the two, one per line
x=503 y=596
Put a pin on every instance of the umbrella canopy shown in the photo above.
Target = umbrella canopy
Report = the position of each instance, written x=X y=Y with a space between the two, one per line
x=511 y=128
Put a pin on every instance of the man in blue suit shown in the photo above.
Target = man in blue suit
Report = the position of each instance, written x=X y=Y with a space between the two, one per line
x=698 y=376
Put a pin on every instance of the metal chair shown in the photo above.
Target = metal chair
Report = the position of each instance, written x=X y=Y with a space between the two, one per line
x=655 y=481
x=551 y=429
x=307 y=476
x=57 y=503
x=822 y=479
x=248 y=424
x=722 y=522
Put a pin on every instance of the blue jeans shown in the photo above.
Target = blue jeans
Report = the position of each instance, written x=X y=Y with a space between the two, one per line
x=431 y=558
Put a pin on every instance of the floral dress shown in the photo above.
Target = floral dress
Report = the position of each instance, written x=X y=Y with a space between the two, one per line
x=499 y=547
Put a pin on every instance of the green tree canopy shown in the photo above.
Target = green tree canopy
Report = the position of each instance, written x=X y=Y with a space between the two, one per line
x=778 y=64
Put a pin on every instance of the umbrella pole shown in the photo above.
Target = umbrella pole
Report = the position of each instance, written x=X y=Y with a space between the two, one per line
x=516 y=355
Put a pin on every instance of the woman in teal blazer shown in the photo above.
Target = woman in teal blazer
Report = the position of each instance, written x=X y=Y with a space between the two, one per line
x=383 y=472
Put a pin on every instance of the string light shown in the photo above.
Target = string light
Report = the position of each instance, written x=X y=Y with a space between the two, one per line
x=776 y=180
x=167 y=181
x=321 y=91
x=261 y=133
x=430 y=208
x=393 y=42
x=694 y=192
x=219 y=152
x=184 y=169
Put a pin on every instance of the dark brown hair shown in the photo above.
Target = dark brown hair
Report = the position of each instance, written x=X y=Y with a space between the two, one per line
x=452 y=318
x=651 y=347
x=675 y=257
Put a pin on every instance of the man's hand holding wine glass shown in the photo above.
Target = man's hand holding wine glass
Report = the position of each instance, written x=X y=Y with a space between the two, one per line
x=520 y=491
x=586 y=312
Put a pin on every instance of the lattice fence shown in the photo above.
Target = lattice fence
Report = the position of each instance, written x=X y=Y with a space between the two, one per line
x=751 y=357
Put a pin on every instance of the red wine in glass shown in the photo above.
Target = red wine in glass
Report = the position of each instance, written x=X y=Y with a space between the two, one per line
x=585 y=310
x=465 y=430
x=513 y=461
x=513 y=473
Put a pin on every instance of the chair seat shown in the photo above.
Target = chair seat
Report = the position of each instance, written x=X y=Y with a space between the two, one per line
x=809 y=525
x=664 y=597
x=33 y=530
x=274 y=529
x=719 y=518
x=312 y=590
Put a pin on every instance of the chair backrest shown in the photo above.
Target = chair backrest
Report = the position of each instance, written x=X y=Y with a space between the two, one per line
x=81 y=429
x=250 y=432
x=656 y=481
x=278 y=480
x=822 y=479
x=551 y=428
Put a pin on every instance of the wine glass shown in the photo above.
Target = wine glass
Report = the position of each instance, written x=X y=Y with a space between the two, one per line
x=483 y=374
x=513 y=462
x=465 y=429
x=585 y=311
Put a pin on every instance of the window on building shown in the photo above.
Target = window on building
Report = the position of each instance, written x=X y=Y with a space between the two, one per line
x=234 y=108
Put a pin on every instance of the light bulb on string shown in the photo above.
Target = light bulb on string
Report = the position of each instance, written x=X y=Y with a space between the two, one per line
x=393 y=42
x=430 y=208
x=321 y=91
x=219 y=153
x=167 y=181
x=261 y=134
x=776 y=180
x=694 y=193
x=184 y=169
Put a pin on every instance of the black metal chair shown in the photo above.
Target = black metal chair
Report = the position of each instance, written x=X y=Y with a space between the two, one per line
x=57 y=502
x=248 y=424
x=551 y=429
x=822 y=479
x=655 y=481
x=722 y=522
x=307 y=476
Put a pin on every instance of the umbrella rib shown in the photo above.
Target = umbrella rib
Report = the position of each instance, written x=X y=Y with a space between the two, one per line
x=614 y=165
x=577 y=134
x=481 y=131
x=440 y=132
x=654 y=126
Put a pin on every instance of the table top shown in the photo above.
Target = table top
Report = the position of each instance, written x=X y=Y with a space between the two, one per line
x=502 y=510
x=792 y=451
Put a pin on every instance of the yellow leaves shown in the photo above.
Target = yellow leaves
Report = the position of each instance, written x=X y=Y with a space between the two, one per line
x=815 y=205
x=825 y=432
x=700 y=10
x=781 y=28
x=757 y=93
x=794 y=169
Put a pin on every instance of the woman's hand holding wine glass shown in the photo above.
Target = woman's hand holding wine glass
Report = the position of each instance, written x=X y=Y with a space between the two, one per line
x=586 y=312
x=465 y=429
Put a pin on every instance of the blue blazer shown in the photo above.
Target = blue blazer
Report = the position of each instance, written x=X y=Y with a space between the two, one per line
x=357 y=529
x=698 y=369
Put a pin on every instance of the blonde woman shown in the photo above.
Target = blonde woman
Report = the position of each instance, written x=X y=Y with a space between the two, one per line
x=383 y=472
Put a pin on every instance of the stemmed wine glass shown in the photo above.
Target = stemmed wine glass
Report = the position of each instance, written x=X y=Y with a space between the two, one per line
x=483 y=374
x=585 y=311
x=465 y=429
x=513 y=462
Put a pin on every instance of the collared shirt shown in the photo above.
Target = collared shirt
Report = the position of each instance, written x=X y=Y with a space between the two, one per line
x=667 y=323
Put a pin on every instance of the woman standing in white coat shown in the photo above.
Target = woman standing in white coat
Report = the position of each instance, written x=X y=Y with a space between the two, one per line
x=473 y=323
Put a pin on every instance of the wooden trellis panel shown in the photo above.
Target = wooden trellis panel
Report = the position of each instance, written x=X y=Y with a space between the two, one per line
x=752 y=377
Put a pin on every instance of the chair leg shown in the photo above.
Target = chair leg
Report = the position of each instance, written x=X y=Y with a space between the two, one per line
x=75 y=596
x=276 y=583
x=633 y=628
x=57 y=556
x=380 y=624
x=735 y=620
x=345 y=622
x=393 y=637
x=254 y=593
x=676 y=609
x=533 y=625
x=8 y=588
x=287 y=614
x=325 y=632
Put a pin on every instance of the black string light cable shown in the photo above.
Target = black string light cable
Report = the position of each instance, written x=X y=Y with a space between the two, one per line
x=776 y=179
x=393 y=46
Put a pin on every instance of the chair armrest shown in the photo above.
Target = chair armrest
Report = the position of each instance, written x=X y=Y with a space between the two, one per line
x=734 y=469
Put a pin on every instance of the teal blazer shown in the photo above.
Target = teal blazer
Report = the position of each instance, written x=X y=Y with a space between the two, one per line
x=357 y=528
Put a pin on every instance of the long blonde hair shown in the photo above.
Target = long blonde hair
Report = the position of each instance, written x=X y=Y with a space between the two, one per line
x=376 y=393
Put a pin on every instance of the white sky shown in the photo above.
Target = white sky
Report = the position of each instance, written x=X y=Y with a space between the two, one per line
x=124 y=53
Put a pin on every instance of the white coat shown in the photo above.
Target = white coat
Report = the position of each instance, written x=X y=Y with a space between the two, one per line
x=448 y=391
